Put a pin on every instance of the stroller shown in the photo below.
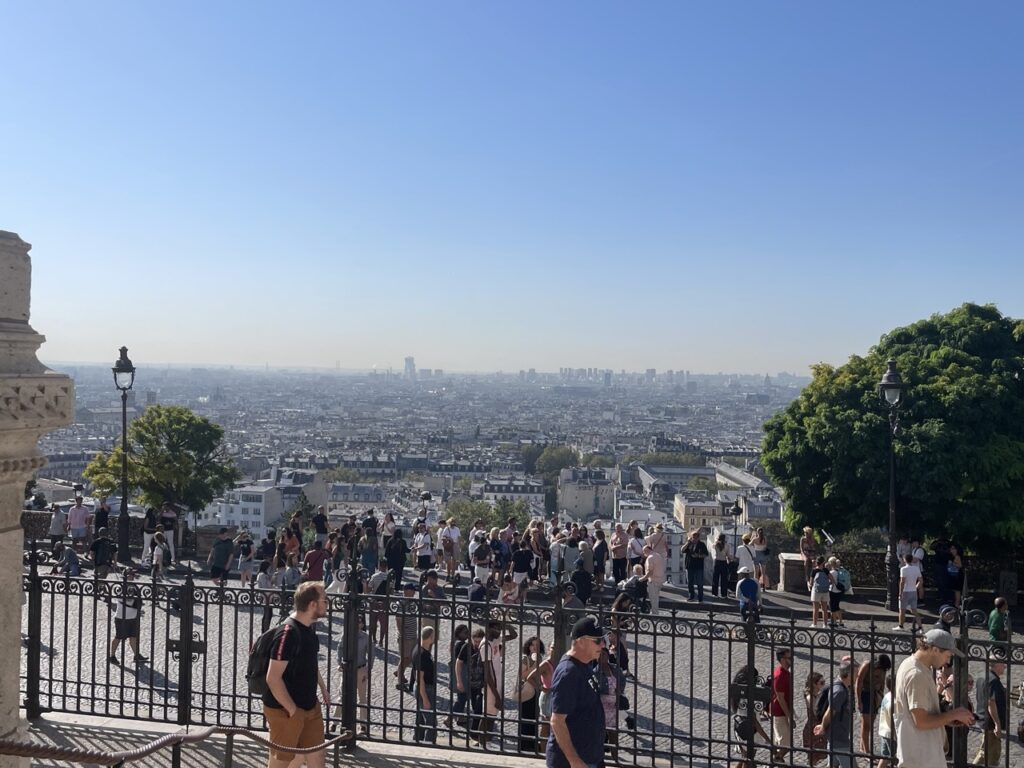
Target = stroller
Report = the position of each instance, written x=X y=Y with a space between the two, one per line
x=636 y=591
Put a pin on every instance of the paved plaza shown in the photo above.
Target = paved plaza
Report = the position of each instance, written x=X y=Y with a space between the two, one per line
x=678 y=695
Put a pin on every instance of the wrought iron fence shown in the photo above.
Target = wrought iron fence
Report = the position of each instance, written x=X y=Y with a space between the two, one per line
x=690 y=678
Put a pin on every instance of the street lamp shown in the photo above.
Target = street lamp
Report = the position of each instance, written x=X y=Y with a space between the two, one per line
x=735 y=510
x=124 y=377
x=890 y=389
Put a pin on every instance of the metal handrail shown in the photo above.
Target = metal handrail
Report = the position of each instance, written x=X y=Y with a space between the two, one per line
x=19 y=748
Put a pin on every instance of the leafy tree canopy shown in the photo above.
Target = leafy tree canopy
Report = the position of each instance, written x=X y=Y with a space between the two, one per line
x=530 y=454
x=466 y=512
x=703 y=484
x=555 y=458
x=176 y=456
x=668 y=459
x=597 y=460
x=960 y=450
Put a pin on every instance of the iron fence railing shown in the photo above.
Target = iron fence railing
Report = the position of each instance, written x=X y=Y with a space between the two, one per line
x=688 y=675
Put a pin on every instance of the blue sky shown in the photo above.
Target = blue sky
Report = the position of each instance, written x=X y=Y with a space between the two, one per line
x=716 y=186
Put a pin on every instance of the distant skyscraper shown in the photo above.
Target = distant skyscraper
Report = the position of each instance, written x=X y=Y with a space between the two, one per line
x=410 y=368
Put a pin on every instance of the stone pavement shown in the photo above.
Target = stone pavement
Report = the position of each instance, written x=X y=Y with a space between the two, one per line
x=112 y=734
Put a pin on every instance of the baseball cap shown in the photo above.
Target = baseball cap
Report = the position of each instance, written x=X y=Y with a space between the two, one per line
x=941 y=639
x=587 y=627
x=744 y=569
x=409 y=585
x=101 y=532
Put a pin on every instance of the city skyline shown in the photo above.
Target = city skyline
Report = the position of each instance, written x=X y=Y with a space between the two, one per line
x=750 y=188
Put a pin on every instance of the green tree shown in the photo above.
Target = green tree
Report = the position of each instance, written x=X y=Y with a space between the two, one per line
x=530 y=453
x=597 y=460
x=302 y=506
x=467 y=511
x=464 y=484
x=960 y=450
x=176 y=456
x=707 y=484
x=555 y=458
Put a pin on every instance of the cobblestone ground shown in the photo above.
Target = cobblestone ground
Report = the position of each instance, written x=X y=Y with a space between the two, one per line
x=679 y=695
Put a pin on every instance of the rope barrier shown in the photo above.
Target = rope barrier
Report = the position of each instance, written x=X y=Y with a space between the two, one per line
x=19 y=748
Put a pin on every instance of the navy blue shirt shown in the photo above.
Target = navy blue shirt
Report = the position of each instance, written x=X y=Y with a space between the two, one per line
x=574 y=694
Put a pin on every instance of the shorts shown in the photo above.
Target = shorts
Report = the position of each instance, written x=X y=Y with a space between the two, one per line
x=782 y=733
x=835 y=601
x=423 y=562
x=545 y=704
x=908 y=601
x=216 y=572
x=519 y=578
x=868 y=703
x=79 y=533
x=483 y=572
x=102 y=571
x=819 y=597
x=303 y=729
x=125 y=628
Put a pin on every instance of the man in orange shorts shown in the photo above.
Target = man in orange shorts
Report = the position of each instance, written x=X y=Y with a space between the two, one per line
x=290 y=704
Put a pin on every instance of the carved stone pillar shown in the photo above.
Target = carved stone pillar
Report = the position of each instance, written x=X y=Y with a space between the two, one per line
x=33 y=401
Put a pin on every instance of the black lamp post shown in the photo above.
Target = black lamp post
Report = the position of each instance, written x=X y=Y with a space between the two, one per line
x=124 y=378
x=735 y=510
x=890 y=390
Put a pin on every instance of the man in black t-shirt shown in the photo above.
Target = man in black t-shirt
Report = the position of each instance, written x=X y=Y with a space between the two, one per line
x=425 y=687
x=290 y=705
x=522 y=562
x=992 y=711
x=319 y=523
x=102 y=553
x=577 y=716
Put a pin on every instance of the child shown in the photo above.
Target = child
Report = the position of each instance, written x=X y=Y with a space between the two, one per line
x=157 y=548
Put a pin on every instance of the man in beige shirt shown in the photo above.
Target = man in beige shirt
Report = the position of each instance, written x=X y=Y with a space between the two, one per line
x=654 y=575
x=618 y=545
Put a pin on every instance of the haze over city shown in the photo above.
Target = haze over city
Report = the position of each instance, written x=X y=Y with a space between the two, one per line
x=711 y=188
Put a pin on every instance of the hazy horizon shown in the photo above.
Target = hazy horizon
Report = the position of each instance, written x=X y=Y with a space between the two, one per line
x=697 y=186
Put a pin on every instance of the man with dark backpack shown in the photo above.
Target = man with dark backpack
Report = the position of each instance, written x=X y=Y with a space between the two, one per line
x=292 y=677
x=836 y=717
x=469 y=667
x=102 y=553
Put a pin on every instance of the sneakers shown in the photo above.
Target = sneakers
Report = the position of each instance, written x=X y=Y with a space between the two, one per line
x=140 y=658
x=898 y=628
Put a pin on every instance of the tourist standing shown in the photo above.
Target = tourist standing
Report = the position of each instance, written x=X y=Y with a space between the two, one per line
x=635 y=548
x=58 y=524
x=246 y=556
x=149 y=524
x=748 y=594
x=918 y=715
x=759 y=543
x=451 y=547
x=78 y=521
x=695 y=552
x=837 y=721
x=396 y=553
x=781 y=706
x=955 y=573
x=319 y=525
x=618 y=545
x=821 y=582
x=102 y=552
x=868 y=690
x=265 y=584
x=169 y=520
x=290 y=704
x=529 y=693
x=425 y=688
x=809 y=553
x=407 y=623
x=722 y=554
x=813 y=742
x=911 y=584
x=219 y=558
x=992 y=711
x=422 y=547
x=999 y=621
x=101 y=516
x=577 y=717
x=654 y=576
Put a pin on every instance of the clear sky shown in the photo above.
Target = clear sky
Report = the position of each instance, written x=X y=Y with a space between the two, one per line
x=737 y=186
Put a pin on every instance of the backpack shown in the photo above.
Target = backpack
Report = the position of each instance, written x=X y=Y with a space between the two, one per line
x=476 y=669
x=259 y=661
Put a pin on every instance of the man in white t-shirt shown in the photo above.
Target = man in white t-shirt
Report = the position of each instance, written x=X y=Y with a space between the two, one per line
x=911 y=583
x=453 y=550
x=918 y=717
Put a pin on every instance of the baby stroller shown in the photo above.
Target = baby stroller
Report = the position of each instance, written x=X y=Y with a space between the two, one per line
x=636 y=591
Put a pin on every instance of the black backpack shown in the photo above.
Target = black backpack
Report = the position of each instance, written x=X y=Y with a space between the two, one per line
x=476 y=669
x=259 y=661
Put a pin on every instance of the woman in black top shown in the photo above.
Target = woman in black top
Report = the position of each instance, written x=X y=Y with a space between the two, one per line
x=396 y=553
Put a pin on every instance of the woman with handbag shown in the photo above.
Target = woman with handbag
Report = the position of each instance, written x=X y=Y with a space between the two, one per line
x=816 y=744
x=527 y=693
x=744 y=722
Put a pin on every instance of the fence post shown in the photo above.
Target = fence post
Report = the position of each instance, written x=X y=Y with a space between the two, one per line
x=33 y=709
x=752 y=685
x=349 y=650
x=559 y=620
x=958 y=751
x=186 y=619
